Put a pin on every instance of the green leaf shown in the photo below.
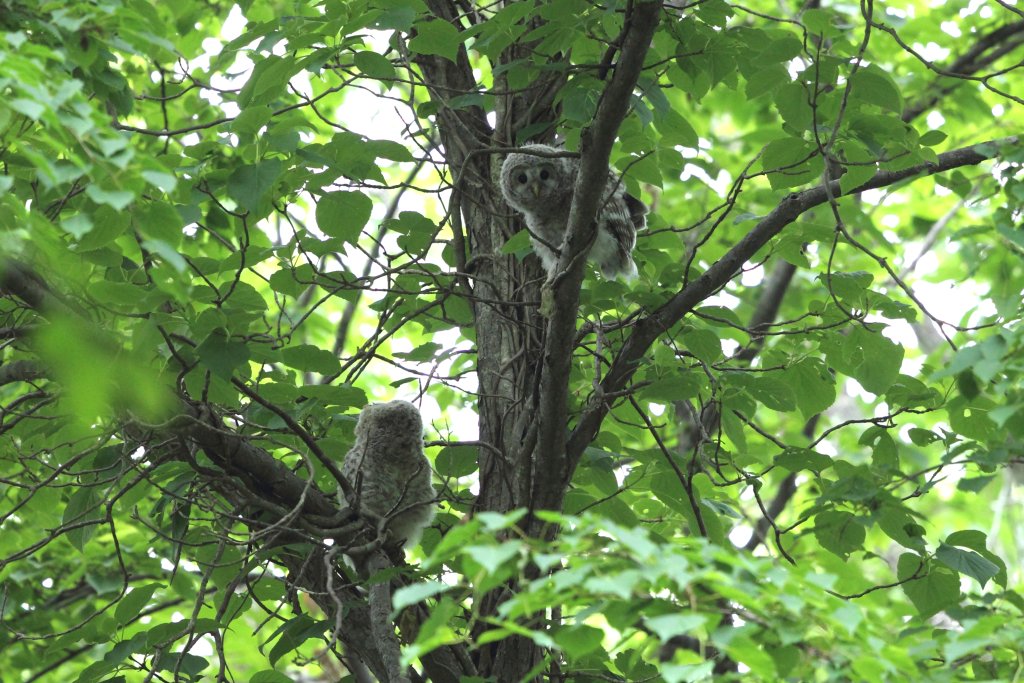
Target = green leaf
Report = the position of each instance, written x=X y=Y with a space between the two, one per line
x=933 y=137
x=436 y=37
x=456 y=461
x=83 y=512
x=766 y=80
x=222 y=355
x=874 y=85
x=77 y=225
x=704 y=344
x=518 y=243
x=839 y=532
x=116 y=199
x=374 y=65
x=269 y=676
x=900 y=526
x=813 y=385
x=341 y=395
x=790 y=162
x=269 y=77
x=966 y=562
x=666 y=626
x=159 y=221
x=579 y=640
x=131 y=604
x=867 y=356
x=492 y=557
x=415 y=593
x=294 y=633
x=309 y=358
x=796 y=459
x=251 y=185
x=685 y=385
x=416 y=230
x=937 y=590
x=763 y=388
x=343 y=214
x=29 y=108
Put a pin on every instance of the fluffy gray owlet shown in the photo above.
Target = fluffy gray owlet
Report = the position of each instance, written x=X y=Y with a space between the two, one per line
x=540 y=188
x=388 y=469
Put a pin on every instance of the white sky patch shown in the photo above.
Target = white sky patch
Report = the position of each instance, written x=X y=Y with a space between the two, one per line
x=951 y=28
x=722 y=299
x=752 y=277
x=933 y=52
x=935 y=119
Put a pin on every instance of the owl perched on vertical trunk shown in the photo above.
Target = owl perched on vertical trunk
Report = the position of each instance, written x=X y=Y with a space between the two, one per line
x=388 y=469
x=541 y=189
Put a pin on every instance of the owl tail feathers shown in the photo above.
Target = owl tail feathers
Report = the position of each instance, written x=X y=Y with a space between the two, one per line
x=625 y=268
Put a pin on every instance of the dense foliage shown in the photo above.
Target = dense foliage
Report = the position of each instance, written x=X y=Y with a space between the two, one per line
x=786 y=451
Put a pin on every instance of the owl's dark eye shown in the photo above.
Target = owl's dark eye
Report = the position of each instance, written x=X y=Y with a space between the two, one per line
x=521 y=178
x=544 y=175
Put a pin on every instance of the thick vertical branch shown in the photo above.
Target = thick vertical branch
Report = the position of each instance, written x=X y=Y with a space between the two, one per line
x=553 y=469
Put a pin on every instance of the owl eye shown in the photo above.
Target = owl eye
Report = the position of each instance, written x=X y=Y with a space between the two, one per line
x=544 y=175
x=521 y=178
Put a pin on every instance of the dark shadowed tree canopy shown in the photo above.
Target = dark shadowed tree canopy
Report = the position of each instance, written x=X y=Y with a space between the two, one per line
x=790 y=449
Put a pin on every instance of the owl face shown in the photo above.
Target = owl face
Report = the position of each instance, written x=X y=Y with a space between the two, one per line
x=534 y=183
x=530 y=182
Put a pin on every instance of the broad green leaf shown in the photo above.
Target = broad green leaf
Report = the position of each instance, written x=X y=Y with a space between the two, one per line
x=796 y=459
x=872 y=84
x=343 y=214
x=456 y=461
x=839 y=532
x=436 y=37
x=309 y=358
x=665 y=626
x=269 y=676
x=966 y=562
x=415 y=593
x=934 y=590
x=223 y=356
x=518 y=243
x=492 y=557
x=83 y=513
x=252 y=186
x=131 y=604
x=578 y=640
x=374 y=65
x=293 y=633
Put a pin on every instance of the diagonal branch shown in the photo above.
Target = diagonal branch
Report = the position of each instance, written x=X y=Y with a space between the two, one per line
x=983 y=52
x=552 y=469
x=722 y=271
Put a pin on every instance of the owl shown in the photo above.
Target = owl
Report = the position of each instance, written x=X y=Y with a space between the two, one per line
x=541 y=188
x=388 y=470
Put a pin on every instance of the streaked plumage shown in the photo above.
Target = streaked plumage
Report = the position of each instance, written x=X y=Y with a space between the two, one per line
x=389 y=470
x=541 y=188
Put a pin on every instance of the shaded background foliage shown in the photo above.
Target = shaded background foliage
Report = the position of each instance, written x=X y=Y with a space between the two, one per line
x=787 y=451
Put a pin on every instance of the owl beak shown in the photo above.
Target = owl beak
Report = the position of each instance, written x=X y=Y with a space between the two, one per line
x=536 y=190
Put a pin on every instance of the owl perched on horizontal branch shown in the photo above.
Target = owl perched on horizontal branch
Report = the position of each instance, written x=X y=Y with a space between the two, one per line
x=541 y=187
x=389 y=471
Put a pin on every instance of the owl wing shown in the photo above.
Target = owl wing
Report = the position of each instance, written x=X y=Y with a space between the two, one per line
x=637 y=211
